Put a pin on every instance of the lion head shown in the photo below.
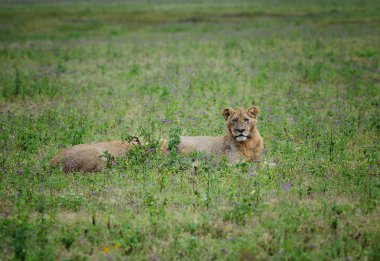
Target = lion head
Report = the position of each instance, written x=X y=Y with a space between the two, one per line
x=241 y=123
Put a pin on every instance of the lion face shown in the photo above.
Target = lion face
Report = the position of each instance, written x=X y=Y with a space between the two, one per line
x=241 y=123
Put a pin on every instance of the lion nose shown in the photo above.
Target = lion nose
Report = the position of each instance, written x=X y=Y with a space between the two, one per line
x=241 y=130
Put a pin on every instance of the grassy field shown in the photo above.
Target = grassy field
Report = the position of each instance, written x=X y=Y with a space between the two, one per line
x=74 y=73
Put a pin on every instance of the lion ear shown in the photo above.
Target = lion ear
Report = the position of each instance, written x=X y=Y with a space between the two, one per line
x=227 y=112
x=253 y=111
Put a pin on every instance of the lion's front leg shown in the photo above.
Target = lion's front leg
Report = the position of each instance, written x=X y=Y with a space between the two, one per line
x=257 y=150
x=233 y=157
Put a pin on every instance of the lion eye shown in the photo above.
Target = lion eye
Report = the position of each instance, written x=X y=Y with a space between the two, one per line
x=246 y=120
x=234 y=120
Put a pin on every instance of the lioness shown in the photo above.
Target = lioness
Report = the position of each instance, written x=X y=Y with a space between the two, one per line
x=89 y=157
x=242 y=142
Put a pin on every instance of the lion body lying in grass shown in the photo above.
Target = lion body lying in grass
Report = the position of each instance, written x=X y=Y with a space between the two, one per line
x=242 y=142
x=89 y=157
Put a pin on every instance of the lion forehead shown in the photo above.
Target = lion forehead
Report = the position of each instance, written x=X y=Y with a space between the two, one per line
x=240 y=115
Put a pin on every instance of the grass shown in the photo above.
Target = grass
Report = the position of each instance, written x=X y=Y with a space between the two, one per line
x=73 y=73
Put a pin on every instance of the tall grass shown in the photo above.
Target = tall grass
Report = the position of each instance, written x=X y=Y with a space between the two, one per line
x=75 y=73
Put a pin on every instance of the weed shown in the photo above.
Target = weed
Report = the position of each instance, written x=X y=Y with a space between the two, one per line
x=174 y=138
x=110 y=160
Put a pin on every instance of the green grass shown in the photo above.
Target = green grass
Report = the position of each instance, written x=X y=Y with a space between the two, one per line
x=73 y=73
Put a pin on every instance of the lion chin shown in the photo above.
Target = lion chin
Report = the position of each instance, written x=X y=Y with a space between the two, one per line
x=241 y=143
x=241 y=138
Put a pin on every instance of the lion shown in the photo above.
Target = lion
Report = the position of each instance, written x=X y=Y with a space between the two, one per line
x=89 y=157
x=241 y=143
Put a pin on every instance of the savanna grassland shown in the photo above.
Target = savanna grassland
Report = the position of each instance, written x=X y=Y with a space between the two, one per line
x=74 y=73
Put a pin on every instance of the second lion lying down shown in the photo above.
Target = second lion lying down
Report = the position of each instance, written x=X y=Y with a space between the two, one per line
x=241 y=143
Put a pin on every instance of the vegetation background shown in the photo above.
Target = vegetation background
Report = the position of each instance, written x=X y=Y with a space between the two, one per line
x=75 y=72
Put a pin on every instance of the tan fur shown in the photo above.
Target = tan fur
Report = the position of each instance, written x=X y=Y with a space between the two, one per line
x=242 y=142
x=236 y=151
x=88 y=157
